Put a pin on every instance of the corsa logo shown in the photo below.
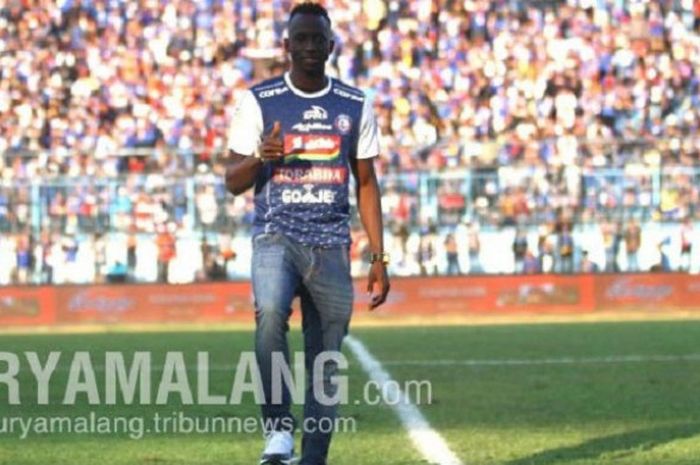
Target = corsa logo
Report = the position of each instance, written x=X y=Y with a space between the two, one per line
x=273 y=92
x=315 y=147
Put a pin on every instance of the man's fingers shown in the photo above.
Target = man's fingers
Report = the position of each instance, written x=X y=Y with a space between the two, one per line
x=370 y=290
x=276 y=130
x=272 y=149
x=273 y=146
x=379 y=299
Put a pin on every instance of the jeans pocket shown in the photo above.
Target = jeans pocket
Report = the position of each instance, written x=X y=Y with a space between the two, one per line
x=262 y=239
x=345 y=254
x=268 y=251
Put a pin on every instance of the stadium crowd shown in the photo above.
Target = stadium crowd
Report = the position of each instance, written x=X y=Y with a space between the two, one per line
x=563 y=116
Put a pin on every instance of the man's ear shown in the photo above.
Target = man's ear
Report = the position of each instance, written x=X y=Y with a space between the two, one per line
x=331 y=46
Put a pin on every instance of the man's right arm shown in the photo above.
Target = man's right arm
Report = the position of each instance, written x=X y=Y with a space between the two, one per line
x=241 y=172
x=245 y=132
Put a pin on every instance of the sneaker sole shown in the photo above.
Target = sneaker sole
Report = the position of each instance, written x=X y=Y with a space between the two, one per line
x=279 y=461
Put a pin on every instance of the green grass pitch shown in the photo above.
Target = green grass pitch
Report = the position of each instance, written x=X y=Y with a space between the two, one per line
x=546 y=394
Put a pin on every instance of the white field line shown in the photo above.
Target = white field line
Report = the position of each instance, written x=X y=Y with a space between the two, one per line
x=428 y=442
x=613 y=359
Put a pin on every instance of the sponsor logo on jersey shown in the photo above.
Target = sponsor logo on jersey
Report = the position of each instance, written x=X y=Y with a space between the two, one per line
x=315 y=126
x=343 y=123
x=313 y=175
x=349 y=95
x=273 y=92
x=307 y=195
x=315 y=113
x=318 y=147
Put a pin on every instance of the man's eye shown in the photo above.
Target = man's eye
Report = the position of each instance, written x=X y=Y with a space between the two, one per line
x=316 y=38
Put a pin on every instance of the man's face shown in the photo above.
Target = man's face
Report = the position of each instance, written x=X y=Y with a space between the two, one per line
x=309 y=43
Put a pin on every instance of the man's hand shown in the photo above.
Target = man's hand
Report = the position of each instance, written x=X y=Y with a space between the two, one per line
x=379 y=279
x=272 y=147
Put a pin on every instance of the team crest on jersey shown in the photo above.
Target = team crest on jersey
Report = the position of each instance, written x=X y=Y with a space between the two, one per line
x=343 y=123
x=317 y=147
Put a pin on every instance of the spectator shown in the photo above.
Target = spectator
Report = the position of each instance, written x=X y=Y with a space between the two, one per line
x=43 y=259
x=520 y=250
x=117 y=273
x=587 y=265
x=664 y=264
x=452 y=254
x=633 y=240
x=427 y=255
x=100 y=249
x=547 y=258
x=534 y=78
x=474 y=249
x=531 y=263
x=686 y=244
x=131 y=251
x=165 y=241
x=566 y=249
x=24 y=251
x=611 y=241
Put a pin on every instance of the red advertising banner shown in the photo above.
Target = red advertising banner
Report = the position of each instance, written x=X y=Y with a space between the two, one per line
x=656 y=292
x=27 y=306
x=430 y=296
x=154 y=303
x=487 y=294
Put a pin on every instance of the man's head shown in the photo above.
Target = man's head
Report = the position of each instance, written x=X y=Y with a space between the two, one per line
x=309 y=39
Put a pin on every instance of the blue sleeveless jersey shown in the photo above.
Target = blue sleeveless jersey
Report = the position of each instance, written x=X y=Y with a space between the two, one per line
x=305 y=197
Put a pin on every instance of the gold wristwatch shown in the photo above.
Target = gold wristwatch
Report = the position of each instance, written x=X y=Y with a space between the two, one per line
x=379 y=257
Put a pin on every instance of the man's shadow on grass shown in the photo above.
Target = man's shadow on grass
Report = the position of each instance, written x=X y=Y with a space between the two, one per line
x=622 y=444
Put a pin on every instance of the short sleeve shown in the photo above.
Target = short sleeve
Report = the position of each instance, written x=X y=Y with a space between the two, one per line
x=245 y=130
x=368 y=142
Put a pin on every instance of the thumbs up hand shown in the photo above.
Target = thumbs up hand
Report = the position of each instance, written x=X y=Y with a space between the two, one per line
x=272 y=147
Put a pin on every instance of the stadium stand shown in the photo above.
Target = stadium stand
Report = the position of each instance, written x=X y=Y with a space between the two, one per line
x=567 y=129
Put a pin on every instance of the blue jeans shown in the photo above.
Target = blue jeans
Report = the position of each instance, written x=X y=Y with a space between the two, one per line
x=281 y=270
x=632 y=261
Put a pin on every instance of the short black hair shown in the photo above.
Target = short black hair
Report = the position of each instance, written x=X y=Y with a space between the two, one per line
x=310 y=8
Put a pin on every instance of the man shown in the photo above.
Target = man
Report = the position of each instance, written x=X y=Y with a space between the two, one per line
x=633 y=241
x=296 y=138
x=588 y=265
x=686 y=244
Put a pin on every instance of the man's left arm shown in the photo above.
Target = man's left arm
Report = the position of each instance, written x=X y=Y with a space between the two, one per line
x=370 y=210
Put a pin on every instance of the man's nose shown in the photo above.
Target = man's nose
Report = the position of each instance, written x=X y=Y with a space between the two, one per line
x=309 y=45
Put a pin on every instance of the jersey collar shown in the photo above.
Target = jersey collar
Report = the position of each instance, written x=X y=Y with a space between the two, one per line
x=303 y=94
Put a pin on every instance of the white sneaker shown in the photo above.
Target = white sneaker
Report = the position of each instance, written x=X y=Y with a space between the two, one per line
x=279 y=449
